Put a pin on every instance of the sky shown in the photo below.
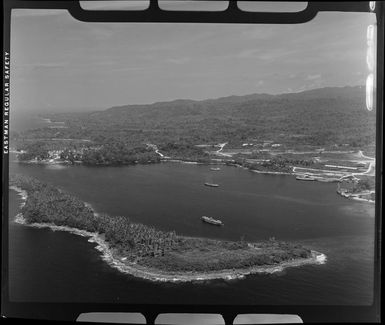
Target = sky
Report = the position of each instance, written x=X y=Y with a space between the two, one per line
x=61 y=64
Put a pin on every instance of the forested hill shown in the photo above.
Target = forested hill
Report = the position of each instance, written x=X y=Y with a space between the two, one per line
x=247 y=103
x=324 y=116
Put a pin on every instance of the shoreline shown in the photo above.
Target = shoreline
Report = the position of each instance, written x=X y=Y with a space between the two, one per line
x=355 y=197
x=187 y=162
x=222 y=163
x=117 y=261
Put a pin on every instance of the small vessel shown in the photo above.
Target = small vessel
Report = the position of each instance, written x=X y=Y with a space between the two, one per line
x=305 y=178
x=212 y=184
x=328 y=180
x=212 y=221
x=215 y=168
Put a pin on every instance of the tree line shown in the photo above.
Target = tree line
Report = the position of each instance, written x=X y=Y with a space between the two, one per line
x=48 y=204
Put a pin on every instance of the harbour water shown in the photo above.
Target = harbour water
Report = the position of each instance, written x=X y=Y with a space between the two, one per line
x=63 y=267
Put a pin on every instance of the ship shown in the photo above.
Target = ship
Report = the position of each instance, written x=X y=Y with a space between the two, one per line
x=215 y=168
x=212 y=184
x=212 y=221
x=305 y=178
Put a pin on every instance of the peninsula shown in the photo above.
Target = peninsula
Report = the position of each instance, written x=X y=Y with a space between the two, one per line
x=146 y=252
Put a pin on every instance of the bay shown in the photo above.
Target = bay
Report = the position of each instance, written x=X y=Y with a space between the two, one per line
x=62 y=267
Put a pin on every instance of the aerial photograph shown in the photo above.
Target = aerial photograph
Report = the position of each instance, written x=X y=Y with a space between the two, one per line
x=188 y=163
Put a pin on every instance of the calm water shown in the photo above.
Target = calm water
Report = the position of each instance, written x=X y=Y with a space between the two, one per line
x=58 y=266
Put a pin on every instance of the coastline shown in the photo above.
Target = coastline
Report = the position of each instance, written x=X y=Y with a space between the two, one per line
x=23 y=194
x=111 y=257
x=191 y=162
x=188 y=162
x=258 y=171
x=355 y=197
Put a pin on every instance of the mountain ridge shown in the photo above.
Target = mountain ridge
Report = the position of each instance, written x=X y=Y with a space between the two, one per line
x=318 y=117
x=323 y=92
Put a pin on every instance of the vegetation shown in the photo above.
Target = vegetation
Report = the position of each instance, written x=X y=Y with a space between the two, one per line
x=36 y=150
x=117 y=153
x=275 y=164
x=210 y=255
x=184 y=151
x=320 y=117
x=355 y=186
x=145 y=245
x=365 y=183
x=47 y=204
x=114 y=153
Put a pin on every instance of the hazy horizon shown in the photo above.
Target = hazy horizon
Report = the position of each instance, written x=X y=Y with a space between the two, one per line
x=94 y=109
x=61 y=64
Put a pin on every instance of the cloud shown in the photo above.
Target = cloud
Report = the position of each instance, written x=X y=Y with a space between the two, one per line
x=247 y=54
x=266 y=55
x=41 y=65
x=181 y=60
x=260 y=33
x=313 y=77
x=160 y=61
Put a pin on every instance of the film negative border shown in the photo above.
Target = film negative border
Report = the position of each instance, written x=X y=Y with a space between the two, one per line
x=70 y=311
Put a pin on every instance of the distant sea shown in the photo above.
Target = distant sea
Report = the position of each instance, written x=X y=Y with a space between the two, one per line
x=22 y=121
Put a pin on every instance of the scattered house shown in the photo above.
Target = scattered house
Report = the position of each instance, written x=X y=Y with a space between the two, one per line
x=54 y=154
x=58 y=127
x=267 y=143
